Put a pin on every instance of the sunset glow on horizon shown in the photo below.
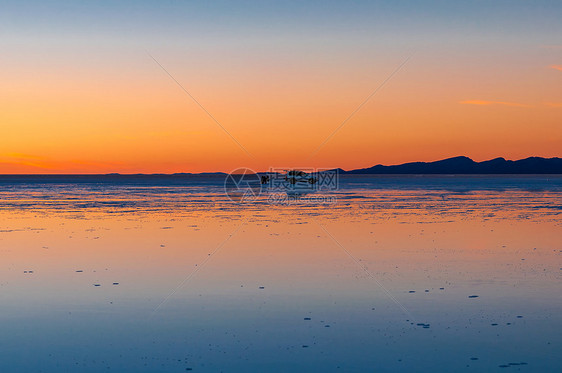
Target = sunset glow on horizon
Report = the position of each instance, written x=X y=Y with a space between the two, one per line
x=80 y=93
x=203 y=186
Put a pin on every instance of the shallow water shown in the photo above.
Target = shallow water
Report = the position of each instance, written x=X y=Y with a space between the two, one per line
x=395 y=273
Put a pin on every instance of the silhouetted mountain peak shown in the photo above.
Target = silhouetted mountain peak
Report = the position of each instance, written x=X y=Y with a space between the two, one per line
x=460 y=158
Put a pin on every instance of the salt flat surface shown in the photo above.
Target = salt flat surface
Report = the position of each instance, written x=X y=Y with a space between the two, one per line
x=398 y=273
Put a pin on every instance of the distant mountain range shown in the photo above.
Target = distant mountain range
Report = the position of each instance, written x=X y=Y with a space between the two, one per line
x=456 y=165
x=465 y=165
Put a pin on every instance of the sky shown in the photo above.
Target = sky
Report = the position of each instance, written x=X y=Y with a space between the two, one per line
x=178 y=86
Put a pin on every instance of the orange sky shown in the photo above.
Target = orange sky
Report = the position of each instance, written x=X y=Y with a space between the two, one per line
x=86 y=103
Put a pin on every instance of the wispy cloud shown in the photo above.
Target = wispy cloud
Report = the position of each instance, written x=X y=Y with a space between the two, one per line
x=556 y=67
x=18 y=162
x=484 y=102
x=20 y=156
x=26 y=160
x=553 y=104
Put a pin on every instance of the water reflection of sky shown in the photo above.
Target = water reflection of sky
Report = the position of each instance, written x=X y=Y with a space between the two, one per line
x=358 y=269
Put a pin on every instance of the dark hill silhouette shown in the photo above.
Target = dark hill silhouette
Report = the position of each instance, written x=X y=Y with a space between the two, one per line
x=465 y=165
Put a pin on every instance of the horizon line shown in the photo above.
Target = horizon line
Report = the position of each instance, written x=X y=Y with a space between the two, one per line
x=226 y=173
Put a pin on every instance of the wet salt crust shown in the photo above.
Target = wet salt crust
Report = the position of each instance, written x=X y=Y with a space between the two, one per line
x=399 y=275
